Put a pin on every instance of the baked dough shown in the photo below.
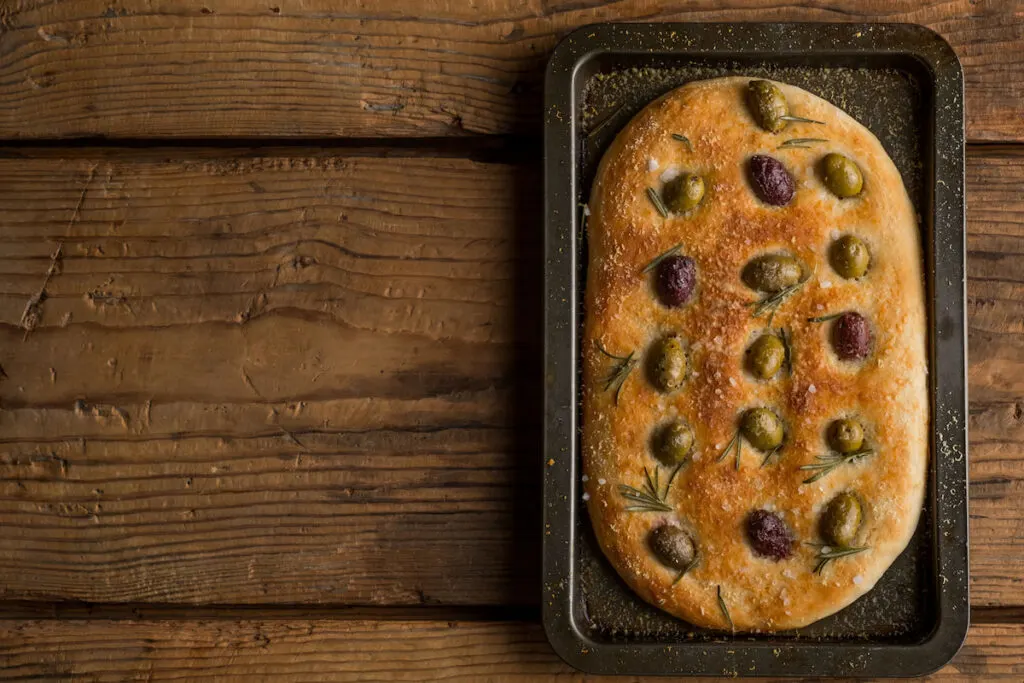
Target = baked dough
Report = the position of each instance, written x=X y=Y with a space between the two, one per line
x=886 y=392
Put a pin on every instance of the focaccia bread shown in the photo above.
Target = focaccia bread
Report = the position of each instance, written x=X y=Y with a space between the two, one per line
x=755 y=410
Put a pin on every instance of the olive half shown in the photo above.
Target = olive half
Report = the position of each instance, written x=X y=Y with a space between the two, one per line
x=683 y=193
x=849 y=256
x=672 y=546
x=842 y=519
x=667 y=363
x=772 y=273
x=762 y=429
x=673 y=443
x=842 y=175
x=845 y=436
x=765 y=356
x=767 y=105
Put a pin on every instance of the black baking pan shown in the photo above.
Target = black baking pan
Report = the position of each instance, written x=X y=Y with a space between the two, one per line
x=905 y=84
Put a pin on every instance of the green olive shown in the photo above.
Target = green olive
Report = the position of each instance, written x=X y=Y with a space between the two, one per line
x=849 y=256
x=767 y=105
x=673 y=547
x=842 y=519
x=668 y=364
x=673 y=443
x=842 y=176
x=765 y=356
x=845 y=436
x=762 y=428
x=772 y=273
x=683 y=193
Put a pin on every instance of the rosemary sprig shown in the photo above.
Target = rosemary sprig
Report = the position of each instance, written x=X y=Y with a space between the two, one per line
x=824 y=464
x=593 y=131
x=661 y=257
x=737 y=443
x=828 y=553
x=801 y=142
x=787 y=349
x=800 y=119
x=686 y=569
x=619 y=372
x=655 y=198
x=650 y=498
x=770 y=454
x=683 y=139
x=824 y=318
x=725 y=610
x=773 y=301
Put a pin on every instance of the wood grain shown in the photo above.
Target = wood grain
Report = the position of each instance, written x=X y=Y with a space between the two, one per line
x=403 y=68
x=330 y=650
x=306 y=378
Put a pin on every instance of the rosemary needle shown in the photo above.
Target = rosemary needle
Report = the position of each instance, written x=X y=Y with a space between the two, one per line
x=683 y=139
x=655 y=198
x=725 y=610
x=661 y=257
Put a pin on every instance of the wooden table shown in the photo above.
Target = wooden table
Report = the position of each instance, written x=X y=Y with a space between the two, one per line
x=270 y=333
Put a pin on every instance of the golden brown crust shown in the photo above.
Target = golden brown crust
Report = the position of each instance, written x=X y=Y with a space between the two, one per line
x=887 y=390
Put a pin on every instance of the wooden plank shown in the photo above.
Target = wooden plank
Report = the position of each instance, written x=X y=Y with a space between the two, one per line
x=332 y=650
x=402 y=68
x=305 y=379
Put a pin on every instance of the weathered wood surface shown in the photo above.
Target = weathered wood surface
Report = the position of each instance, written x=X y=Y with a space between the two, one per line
x=326 y=650
x=317 y=68
x=306 y=379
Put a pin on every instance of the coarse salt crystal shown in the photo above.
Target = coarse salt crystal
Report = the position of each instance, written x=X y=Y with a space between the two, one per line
x=586 y=210
x=585 y=478
x=732 y=381
x=812 y=389
x=602 y=481
x=668 y=175
x=586 y=496
x=788 y=573
x=819 y=307
x=652 y=164
x=834 y=234
x=825 y=550
x=858 y=579
x=696 y=457
x=826 y=284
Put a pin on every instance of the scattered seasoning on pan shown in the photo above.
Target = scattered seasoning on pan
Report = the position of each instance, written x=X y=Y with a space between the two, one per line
x=828 y=553
x=803 y=143
x=660 y=257
x=725 y=610
x=619 y=372
x=650 y=498
x=683 y=139
x=655 y=198
x=824 y=464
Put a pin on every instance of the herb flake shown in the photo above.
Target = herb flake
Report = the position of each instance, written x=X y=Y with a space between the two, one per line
x=800 y=119
x=803 y=143
x=661 y=257
x=828 y=553
x=651 y=497
x=619 y=372
x=824 y=464
x=736 y=443
x=655 y=198
x=770 y=303
x=683 y=139
x=824 y=318
x=725 y=610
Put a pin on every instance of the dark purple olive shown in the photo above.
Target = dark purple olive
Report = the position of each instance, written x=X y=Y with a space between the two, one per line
x=676 y=280
x=768 y=535
x=851 y=336
x=771 y=180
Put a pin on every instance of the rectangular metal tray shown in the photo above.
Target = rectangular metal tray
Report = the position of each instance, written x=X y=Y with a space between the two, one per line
x=905 y=84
